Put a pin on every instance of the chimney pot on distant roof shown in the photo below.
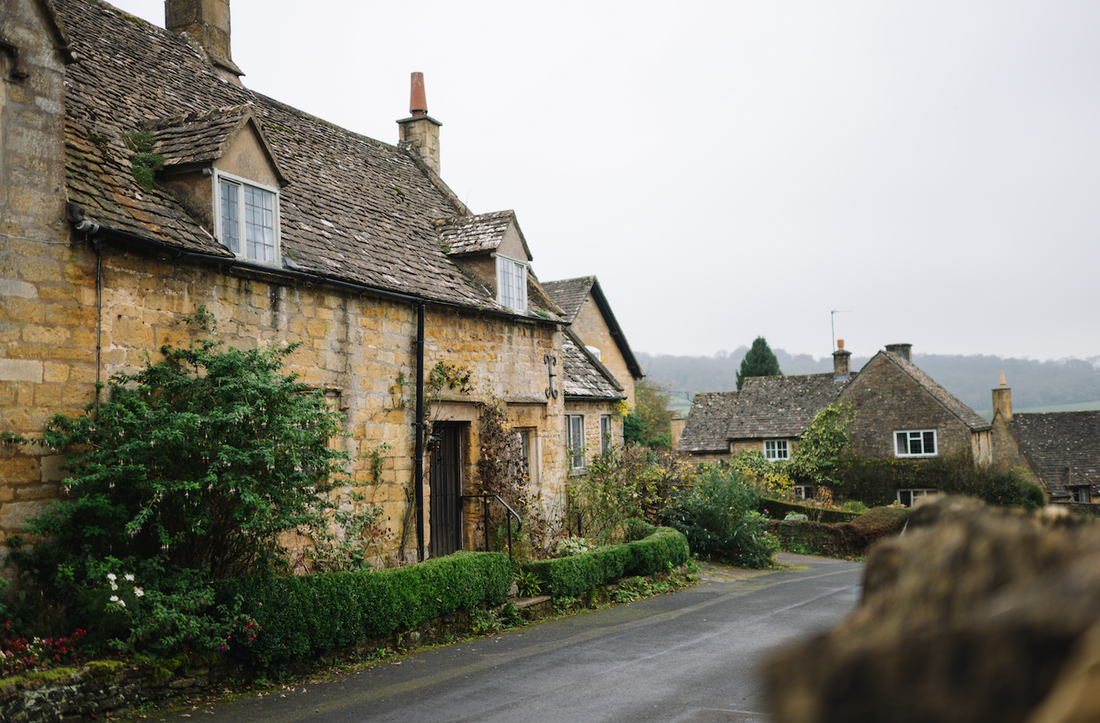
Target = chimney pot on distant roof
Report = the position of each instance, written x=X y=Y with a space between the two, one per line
x=1002 y=401
x=905 y=351
x=841 y=361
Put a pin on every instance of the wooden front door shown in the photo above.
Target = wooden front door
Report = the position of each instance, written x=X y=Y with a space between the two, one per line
x=445 y=489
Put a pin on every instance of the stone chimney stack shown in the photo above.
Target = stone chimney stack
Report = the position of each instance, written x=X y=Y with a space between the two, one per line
x=420 y=131
x=207 y=22
x=841 y=360
x=1002 y=401
x=905 y=351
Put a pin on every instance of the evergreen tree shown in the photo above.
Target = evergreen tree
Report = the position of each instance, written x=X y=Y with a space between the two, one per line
x=758 y=362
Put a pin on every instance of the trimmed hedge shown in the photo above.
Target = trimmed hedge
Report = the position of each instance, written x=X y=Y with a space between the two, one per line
x=305 y=616
x=577 y=574
x=846 y=539
x=778 y=509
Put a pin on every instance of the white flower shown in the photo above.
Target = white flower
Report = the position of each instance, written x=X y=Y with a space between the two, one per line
x=111 y=576
x=115 y=599
x=139 y=592
x=114 y=586
x=129 y=577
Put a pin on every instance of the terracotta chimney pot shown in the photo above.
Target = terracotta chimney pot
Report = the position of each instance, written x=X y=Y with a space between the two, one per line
x=418 y=101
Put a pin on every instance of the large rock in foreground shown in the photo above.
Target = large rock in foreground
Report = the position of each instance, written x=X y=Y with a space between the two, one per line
x=974 y=614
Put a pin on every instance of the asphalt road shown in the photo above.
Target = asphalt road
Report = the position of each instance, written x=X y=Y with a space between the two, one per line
x=690 y=656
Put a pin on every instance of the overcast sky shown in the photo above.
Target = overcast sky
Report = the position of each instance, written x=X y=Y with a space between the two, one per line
x=733 y=169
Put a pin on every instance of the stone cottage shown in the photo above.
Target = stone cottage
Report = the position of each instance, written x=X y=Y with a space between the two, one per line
x=899 y=412
x=599 y=368
x=1060 y=450
x=141 y=180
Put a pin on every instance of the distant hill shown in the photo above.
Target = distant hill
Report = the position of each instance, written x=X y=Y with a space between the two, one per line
x=1036 y=385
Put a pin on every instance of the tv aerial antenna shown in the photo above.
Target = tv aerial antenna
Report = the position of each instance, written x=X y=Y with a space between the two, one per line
x=832 y=321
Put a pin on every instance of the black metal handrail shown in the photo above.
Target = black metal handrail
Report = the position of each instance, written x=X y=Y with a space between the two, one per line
x=485 y=507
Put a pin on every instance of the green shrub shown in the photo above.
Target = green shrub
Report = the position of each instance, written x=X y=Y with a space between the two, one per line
x=306 y=616
x=190 y=471
x=718 y=516
x=875 y=481
x=576 y=575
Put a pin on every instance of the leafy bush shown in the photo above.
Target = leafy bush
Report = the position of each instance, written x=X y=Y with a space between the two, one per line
x=628 y=483
x=573 y=546
x=306 y=616
x=576 y=575
x=190 y=472
x=875 y=481
x=855 y=506
x=796 y=517
x=719 y=517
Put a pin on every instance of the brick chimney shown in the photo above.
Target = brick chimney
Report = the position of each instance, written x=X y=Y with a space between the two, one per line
x=905 y=351
x=841 y=360
x=1002 y=401
x=207 y=22
x=420 y=131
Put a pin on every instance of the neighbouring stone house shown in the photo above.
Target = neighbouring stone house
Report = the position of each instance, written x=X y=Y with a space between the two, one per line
x=144 y=180
x=589 y=313
x=899 y=412
x=902 y=412
x=599 y=369
x=1060 y=450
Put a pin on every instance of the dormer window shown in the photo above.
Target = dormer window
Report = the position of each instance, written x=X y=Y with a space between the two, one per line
x=512 y=283
x=248 y=218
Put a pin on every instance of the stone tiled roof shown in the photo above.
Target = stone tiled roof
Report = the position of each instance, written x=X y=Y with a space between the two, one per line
x=965 y=414
x=1062 y=447
x=583 y=375
x=707 y=422
x=355 y=210
x=570 y=294
x=480 y=233
x=781 y=406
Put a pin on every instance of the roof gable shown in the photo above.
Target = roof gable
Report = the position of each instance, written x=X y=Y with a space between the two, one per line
x=963 y=413
x=496 y=232
x=219 y=138
x=570 y=295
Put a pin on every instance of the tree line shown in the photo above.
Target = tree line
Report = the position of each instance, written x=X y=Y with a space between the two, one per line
x=1035 y=384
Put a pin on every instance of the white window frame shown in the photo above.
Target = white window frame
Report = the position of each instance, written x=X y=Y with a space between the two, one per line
x=912 y=435
x=512 y=283
x=607 y=434
x=915 y=493
x=776 y=450
x=803 y=492
x=574 y=441
x=241 y=184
